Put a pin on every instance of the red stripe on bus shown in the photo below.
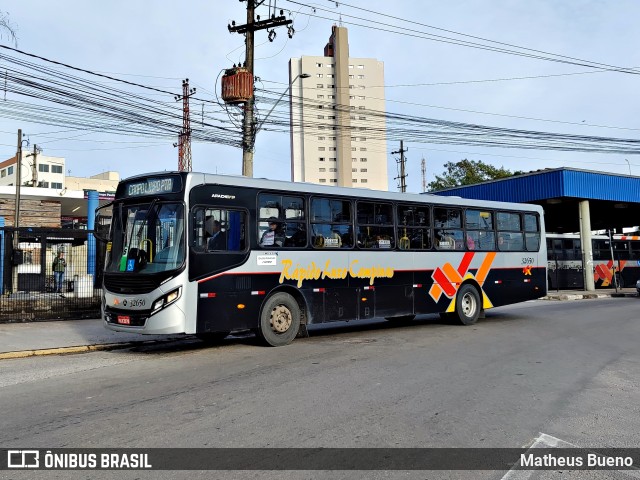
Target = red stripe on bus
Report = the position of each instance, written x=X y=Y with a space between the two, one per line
x=444 y=283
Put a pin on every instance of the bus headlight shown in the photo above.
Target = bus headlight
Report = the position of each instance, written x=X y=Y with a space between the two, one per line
x=165 y=300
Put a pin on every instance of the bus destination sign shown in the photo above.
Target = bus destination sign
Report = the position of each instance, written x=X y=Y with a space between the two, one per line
x=151 y=186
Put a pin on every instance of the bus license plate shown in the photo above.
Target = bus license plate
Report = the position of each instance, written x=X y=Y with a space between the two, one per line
x=124 y=320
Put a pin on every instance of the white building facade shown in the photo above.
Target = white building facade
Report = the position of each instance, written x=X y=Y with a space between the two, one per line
x=338 y=132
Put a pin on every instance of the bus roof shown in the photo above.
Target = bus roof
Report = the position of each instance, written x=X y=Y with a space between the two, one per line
x=198 y=178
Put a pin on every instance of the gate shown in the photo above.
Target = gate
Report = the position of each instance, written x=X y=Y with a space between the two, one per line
x=30 y=290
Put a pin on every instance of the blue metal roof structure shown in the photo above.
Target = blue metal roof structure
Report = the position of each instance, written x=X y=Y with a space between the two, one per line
x=614 y=199
x=556 y=183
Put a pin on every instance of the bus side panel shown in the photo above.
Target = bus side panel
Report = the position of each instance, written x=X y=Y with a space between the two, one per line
x=504 y=286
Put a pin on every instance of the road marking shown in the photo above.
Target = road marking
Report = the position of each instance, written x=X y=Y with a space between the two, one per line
x=549 y=441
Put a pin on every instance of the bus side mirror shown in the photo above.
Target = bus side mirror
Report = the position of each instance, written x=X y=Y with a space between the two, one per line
x=102 y=226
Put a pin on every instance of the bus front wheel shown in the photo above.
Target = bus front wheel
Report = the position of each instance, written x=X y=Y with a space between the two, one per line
x=467 y=305
x=279 y=320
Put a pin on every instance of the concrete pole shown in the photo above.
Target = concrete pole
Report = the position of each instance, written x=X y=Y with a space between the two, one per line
x=585 y=241
x=248 y=137
x=16 y=221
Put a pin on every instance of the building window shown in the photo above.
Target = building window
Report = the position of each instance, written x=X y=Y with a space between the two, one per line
x=319 y=75
x=361 y=87
x=332 y=149
x=56 y=185
x=318 y=65
x=363 y=169
x=330 y=75
x=353 y=149
x=362 y=118
x=352 y=107
x=331 y=117
x=331 y=86
x=334 y=180
x=353 y=139
x=321 y=159
x=360 y=67
x=360 y=77
x=363 y=139
x=351 y=76
x=333 y=169
x=351 y=86
x=363 y=149
x=321 y=138
x=322 y=169
x=354 y=159
x=329 y=65
x=322 y=180
x=363 y=159
x=3 y=173
x=321 y=149
x=331 y=96
x=364 y=180
x=320 y=96
x=320 y=106
x=350 y=66
x=43 y=167
x=319 y=85
x=9 y=170
x=56 y=168
x=332 y=159
x=352 y=97
x=361 y=107
x=360 y=97
x=354 y=169
x=332 y=138
x=321 y=117
x=43 y=184
x=355 y=180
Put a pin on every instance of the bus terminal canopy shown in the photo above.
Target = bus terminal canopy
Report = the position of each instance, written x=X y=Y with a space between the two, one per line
x=614 y=200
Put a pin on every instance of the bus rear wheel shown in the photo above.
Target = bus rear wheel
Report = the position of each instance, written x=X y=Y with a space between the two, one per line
x=279 y=320
x=467 y=305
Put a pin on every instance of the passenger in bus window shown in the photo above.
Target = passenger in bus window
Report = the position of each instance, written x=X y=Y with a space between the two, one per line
x=471 y=244
x=218 y=240
x=274 y=236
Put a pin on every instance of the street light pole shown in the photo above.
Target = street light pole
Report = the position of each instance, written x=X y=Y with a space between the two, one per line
x=300 y=75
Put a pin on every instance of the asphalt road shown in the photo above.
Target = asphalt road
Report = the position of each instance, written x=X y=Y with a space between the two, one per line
x=565 y=369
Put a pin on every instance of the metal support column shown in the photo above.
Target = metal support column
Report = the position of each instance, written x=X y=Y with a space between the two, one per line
x=587 y=250
x=92 y=204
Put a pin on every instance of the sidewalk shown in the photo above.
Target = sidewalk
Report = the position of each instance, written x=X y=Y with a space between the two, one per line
x=19 y=340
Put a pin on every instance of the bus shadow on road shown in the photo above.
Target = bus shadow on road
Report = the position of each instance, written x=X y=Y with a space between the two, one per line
x=325 y=330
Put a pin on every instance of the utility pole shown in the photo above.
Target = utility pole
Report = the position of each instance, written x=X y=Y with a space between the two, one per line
x=184 y=139
x=423 y=168
x=16 y=221
x=248 y=131
x=402 y=176
x=34 y=166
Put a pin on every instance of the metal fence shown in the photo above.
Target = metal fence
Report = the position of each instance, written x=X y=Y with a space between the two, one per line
x=30 y=290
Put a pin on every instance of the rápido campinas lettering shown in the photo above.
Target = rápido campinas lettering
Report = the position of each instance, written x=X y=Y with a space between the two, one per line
x=300 y=273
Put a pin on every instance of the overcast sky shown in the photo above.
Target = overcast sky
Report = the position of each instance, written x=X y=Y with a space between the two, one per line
x=161 y=42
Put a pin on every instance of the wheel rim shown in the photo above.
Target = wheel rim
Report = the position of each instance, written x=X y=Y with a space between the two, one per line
x=468 y=305
x=281 y=319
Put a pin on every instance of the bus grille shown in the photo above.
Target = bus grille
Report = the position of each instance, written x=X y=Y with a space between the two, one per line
x=129 y=284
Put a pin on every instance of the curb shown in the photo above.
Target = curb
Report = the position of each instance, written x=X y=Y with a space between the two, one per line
x=78 y=349
x=587 y=296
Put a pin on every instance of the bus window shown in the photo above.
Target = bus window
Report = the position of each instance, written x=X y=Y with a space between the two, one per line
x=480 y=235
x=281 y=221
x=448 y=229
x=635 y=250
x=414 y=227
x=621 y=250
x=532 y=232
x=375 y=225
x=331 y=223
x=510 y=236
x=218 y=230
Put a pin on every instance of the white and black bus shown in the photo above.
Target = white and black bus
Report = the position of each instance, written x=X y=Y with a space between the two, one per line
x=205 y=254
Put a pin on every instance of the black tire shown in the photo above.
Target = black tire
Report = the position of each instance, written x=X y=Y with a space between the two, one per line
x=468 y=305
x=279 y=320
x=212 y=338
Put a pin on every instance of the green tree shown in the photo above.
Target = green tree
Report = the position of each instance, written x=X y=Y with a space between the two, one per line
x=468 y=172
x=6 y=29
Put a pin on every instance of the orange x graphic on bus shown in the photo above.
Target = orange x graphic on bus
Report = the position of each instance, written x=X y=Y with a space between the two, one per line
x=447 y=279
x=527 y=270
x=605 y=272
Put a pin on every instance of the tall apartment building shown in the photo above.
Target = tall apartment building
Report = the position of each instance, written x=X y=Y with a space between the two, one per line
x=338 y=133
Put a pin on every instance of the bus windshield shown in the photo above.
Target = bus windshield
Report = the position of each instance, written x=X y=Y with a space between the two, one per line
x=147 y=238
